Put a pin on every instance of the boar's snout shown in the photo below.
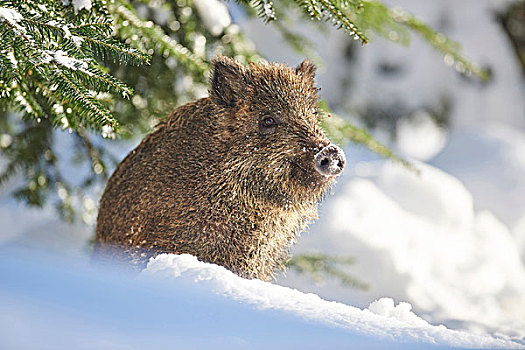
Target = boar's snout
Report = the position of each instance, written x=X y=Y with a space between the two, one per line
x=330 y=160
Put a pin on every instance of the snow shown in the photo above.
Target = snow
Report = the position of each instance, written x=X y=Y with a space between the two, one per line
x=420 y=239
x=489 y=160
x=382 y=319
x=518 y=233
x=77 y=40
x=11 y=56
x=81 y=4
x=67 y=33
x=419 y=137
x=78 y=4
x=386 y=307
x=445 y=246
x=108 y=132
x=427 y=231
x=268 y=9
x=12 y=17
x=62 y=58
x=452 y=243
x=53 y=303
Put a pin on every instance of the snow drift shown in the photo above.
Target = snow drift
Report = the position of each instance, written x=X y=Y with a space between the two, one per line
x=451 y=248
x=419 y=238
x=381 y=319
x=181 y=303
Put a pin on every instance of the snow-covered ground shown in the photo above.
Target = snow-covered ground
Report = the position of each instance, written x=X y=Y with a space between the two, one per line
x=382 y=318
x=180 y=303
x=419 y=239
x=450 y=242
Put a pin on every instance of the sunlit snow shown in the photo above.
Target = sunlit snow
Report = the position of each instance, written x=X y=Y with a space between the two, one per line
x=381 y=319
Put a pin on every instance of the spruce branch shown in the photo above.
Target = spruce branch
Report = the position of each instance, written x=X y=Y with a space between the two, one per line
x=12 y=168
x=115 y=51
x=70 y=91
x=335 y=14
x=96 y=79
x=101 y=28
x=362 y=18
x=93 y=153
x=154 y=32
x=7 y=70
x=264 y=9
x=27 y=101
x=29 y=65
x=451 y=50
x=341 y=131
x=318 y=265
x=396 y=24
x=47 y=44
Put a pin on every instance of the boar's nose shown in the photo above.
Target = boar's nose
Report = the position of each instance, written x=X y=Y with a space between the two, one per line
x=330 y=160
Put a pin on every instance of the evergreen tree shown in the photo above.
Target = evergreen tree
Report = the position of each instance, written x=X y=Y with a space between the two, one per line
x=100 y=69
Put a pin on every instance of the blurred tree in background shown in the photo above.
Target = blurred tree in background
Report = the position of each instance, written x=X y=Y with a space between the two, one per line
x=513 y=22
x=101 y=71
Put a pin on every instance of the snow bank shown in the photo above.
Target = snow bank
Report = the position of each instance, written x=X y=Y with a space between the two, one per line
x=419 y=238
x=419 y=137
x=490 y=160
x=443 y=243
x=382 y=319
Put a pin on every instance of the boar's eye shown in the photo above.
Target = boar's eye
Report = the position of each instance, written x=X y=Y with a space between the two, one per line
x=269 y=122
x=267 y=125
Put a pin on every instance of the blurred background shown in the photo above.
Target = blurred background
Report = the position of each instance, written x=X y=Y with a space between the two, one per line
x=450 y=239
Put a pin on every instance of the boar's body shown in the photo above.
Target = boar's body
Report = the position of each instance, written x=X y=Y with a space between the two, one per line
x=229 y=179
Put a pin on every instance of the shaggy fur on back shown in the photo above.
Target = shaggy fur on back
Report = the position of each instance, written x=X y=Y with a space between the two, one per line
x=217 y=179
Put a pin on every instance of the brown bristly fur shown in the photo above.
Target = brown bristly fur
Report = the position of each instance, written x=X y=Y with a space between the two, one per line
x=214 y=183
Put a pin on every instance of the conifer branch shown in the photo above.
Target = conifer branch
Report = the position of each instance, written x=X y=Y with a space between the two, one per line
x=12 y=169
x=450 y=49
x=264 y=9
x=92 y=152
x=396 y=24
x=51 y=77
x=319 y=265
x=52 y=46
x=70 y=91
x=26 y=99
x=334 y=11
x=157 y=34
x=341 y=131
x=312 y=8
x=336 y=15
x=115 y=50
x=7 y=70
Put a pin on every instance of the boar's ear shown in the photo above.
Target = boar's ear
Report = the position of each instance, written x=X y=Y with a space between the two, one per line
x=227 y=81
x=306 y=69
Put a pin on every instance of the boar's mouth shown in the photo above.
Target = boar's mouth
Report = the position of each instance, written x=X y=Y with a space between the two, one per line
x=309 y=175
x=322 y=168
